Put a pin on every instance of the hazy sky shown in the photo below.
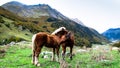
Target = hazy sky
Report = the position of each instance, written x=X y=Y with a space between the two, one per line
x=98 y=14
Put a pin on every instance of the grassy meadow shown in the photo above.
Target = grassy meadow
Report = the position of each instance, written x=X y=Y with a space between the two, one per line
x=19 y=56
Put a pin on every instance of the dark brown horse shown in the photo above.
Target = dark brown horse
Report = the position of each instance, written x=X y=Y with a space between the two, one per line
x=68 y=43
x=51 y=41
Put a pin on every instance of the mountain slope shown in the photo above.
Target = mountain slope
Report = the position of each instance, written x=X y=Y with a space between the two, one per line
x=9 y=30
x=8 y=14
x=15 y=28
x=43 y=18
x=112 y=34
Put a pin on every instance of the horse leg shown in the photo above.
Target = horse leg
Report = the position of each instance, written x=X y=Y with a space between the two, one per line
x=63 y=52
x=37 y=52
x=53 y=55
x=71 y=52
x=33 y=57
x=57 y=50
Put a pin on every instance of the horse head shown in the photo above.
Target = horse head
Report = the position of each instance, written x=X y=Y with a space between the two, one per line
x=68 y=36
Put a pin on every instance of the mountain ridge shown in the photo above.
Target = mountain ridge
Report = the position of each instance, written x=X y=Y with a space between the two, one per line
x=112 y=34
x=78 y=21
x=34 y=11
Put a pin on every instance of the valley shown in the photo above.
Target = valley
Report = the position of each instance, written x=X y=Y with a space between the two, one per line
x=19 y=22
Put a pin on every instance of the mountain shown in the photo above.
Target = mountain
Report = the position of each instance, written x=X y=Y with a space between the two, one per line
x=34 y=11
x=43 y=18
x=78 y=21
x=112 y=34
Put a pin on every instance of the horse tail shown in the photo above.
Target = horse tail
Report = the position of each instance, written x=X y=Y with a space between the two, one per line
x=33 y=42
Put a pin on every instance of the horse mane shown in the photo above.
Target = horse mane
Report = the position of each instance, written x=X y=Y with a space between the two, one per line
x=58 y=30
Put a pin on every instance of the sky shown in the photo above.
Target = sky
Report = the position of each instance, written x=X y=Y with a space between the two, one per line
x=98 y=14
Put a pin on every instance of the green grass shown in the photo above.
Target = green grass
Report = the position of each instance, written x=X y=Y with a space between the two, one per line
x=19 y=56
x=9 y=30
x=16 y=56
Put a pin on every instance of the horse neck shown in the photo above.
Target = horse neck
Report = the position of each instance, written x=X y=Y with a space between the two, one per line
x=58 y=39
x=58 y=35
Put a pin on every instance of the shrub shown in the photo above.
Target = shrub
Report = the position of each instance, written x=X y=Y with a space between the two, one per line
x=36 y=22
x=85 y=42
x=116 y=44
x=12 y=38
x=0 y=25
x=1 y=19
x=44 y=26
x=8 y=25
x=4 y=41
x=51 y=19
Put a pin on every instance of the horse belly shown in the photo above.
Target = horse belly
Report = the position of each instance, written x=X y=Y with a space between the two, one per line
x=68 y=44
x=51 y=46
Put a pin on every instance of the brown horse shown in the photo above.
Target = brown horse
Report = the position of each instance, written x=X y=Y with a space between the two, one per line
x=51 y=41
x=68 y=43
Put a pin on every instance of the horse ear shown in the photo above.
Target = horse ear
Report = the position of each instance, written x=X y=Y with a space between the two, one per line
x=68 y=34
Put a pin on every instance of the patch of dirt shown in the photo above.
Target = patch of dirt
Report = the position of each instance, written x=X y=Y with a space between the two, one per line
x=2 y=53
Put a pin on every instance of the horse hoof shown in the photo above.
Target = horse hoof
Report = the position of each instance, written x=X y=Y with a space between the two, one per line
x=37 y=64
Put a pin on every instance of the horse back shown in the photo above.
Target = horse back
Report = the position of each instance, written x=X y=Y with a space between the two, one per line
x=41 y=38
x=51 y=42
